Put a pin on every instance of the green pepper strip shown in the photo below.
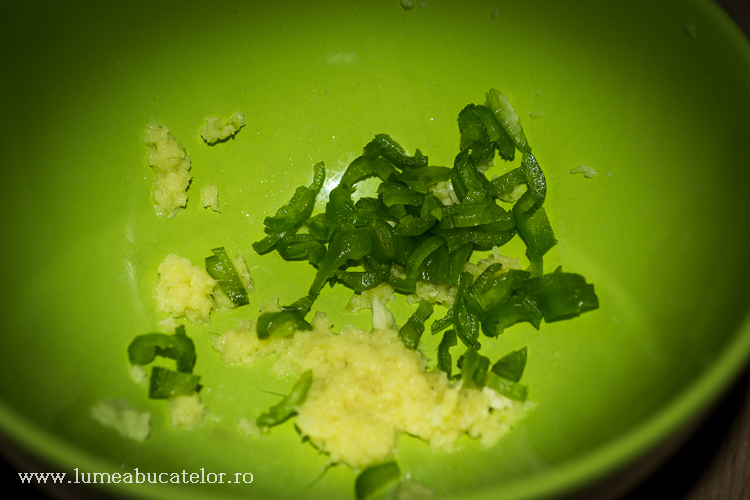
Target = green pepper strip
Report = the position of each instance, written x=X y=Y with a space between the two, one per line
x=269 y=242
x=393 y=152
x=412 y=226
x=508 y=118
x=496 y=291
x=436 y=267
x=475 y=295
x=458 y=259
x=531 y=219
x=496 y=133
x=402 y=285
x=441 y=324
x=340 y=209
x=221 y=268
x=465 y=322
x=285 y=322
x=479 y=214
x=375 y=477
x=402 y=196
x=426 y=175
x=508 y=388
x=165 y=383
x=144 y=348
x=361 y=281
x=301 y=205
x=363 y=167
x=489 y=240
x=474 y=369
x=420 y=254
x=511 y=366
x=320 y=227
x=444 y=359
x=346 y=244
x=467 y=181
x=298 y=246
x=563 y=295
x=471 y=128
x=287 y=407
x=503 y=186
x=517 y=308
x=412 y=331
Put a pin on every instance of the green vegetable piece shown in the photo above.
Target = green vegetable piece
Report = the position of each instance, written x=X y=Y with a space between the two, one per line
x=341 y=211
x=166 y=383
x=495 y=131
x=361 y=281
x=516 y=309
x=423 y=251
x=412 y=331
x=511 y=366
x=444 y=360
x=221 y=268
x=374 y=478
x=345 y=244
x=471 y=128
x=563 y=295
x=287 y=321
x=384 y=246
x=393 y=152
x=363 y=167
x=504 y=186
x=474 y=369
x=467 y=181
x=281 y=323
x=402 y=285
x=489 y=240
x=320 y=227
x=300 y=207
x=402 y=195
x=144 y=348
x=508 y=388
x=436 y=267
x=458 y=259
x=496 y=291
x=441 y=324
x=412 y=226
x=269 y=242
x=287 y=407
x=508 y=118
x=531 y=219
x=299 y=246
x=425 y=175
x=465 y=321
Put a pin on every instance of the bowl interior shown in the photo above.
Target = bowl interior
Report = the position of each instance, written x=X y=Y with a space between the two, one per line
x=652 y=95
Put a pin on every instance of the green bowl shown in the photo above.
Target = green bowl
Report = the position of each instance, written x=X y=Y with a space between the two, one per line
x=653 y=95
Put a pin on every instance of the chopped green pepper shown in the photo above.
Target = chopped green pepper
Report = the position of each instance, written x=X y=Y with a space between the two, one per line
x=221 y=268
x=287 y=407
x=144 y=348
x=165 y=383
x=375 y=477
x=412 y=331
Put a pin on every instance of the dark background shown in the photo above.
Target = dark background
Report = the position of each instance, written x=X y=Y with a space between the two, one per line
x=713 y=465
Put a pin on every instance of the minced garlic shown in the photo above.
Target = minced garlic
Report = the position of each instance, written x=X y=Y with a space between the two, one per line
x=214 y=130
x=368 y=389
x=172 y=168
x=184 y=289
x=186 y=412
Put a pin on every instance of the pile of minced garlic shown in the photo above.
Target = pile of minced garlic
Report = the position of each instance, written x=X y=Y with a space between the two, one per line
x=185 y=289
x=368 y=389
x=172 y=168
